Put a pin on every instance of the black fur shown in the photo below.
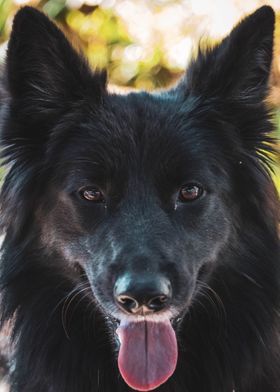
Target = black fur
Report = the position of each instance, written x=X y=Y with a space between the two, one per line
x=61 y=130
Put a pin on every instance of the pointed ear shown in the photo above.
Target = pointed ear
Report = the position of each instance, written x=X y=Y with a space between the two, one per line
x=46 y=76
x=239 y=66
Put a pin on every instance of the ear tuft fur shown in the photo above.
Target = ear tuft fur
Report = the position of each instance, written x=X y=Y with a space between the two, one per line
x=44 y=71
x=238 y=67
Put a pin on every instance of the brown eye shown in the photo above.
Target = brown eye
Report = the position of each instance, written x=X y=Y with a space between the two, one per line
x=190 y=192
x=91 y=194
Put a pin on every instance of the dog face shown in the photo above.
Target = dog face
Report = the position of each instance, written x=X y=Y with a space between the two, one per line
x=139 y=196
x=137 y=193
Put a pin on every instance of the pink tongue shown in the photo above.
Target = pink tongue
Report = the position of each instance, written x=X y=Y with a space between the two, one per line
x=148 y=353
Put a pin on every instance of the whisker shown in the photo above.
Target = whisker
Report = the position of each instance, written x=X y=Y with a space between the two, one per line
x=203 y=289
x=67 y=303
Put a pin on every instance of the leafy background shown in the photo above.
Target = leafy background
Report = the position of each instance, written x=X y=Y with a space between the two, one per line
x=145 y=44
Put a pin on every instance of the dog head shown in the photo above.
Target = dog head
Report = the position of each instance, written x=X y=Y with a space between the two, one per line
x=142 y=195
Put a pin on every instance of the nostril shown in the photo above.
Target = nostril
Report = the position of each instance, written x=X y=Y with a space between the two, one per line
x=158 y=302
x=142 y=293
x=128 y=303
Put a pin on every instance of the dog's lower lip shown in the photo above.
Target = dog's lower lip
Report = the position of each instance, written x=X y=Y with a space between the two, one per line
x=113 y=319
x=174 y=321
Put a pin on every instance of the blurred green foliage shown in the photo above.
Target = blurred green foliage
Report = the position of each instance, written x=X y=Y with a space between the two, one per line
x=106 y=42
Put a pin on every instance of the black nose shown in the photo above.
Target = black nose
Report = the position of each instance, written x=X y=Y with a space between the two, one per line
x=142 y=293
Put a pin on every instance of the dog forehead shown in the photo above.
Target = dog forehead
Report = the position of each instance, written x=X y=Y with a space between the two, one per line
x=143 y=120
x=143 y=131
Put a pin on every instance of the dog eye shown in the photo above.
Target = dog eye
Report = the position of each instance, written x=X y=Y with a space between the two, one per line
x=91 y=194
x=190 y=192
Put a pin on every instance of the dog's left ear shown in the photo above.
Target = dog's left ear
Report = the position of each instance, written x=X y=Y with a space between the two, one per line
x=238 y=67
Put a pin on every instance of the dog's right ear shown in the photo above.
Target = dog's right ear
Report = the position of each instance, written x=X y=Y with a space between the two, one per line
x=48 y=83
x=46 y=76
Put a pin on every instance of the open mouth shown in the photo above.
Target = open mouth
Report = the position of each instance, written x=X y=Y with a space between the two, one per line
x=148 y=352
x=147 y=349
x=147 y=346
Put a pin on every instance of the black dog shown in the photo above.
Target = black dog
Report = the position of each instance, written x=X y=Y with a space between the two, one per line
x=141 y=230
